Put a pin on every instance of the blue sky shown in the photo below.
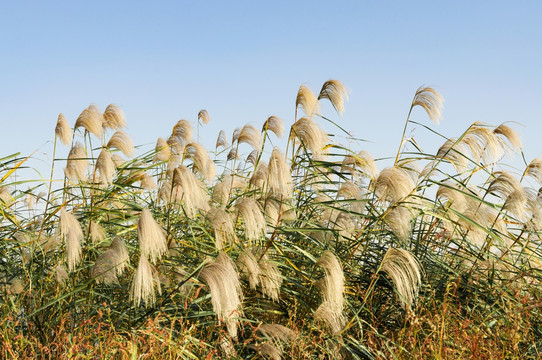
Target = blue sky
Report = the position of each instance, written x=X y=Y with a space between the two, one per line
x=244 y=61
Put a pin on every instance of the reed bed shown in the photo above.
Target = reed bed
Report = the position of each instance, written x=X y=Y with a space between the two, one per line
x=251 y=251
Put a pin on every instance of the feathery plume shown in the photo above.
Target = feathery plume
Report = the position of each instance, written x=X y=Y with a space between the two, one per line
x=61 y=275
x=204 y=117
x=113 y=117
x=105 y=166
x=274 y=124
x=223 y=189
x=514 y=141
x=63 y=130
x=162 y=151
x=404 y=271
x=146 y=278
x=270 y=278
x=91 y=120
x=182 y=131
x=232 y=154
x=193 y=194
x=29 y=200
x=393 y=184
x=250 y=135
x=327 y=313
x=252 y=215
x=202 y=162
x=278 y=175
x=226 y=294
x=222 y=140
x=147 y=181
x=277 y=332
x=431 y=100
x=118 y=160
x=483 y=142
x=110 y=263
x=5 y=195
x=259 y=177
x=398 y=219
x=354 y=194
x=336 y=93
x=71 y=232
x=77 y=163
x=97 y=232
x=120 y=140
x=332 y=286
x=267 y=349
x=310 y=134
x=249 y=267
x=307 y=101
x=152 y=242
x=534 y=169
x=456 y=153
x=252 y=157
x=222 y=224
x=364 y=161
x=510 y=190
x=235 y=135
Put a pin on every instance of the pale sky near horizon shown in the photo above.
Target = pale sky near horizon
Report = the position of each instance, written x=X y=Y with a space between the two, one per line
x=244 y=61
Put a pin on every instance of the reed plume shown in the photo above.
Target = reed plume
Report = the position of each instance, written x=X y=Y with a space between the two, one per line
x=120 y=140
x=222 y=224
x=332 y=285
x=202 y=163
x=405 y=272
x=222 y=140
x=113 y=117
x=513 y=140
x=63 y=130
x=145 y=279
x=393 y=184
x=227 y=186
x=105 y=166
x=310 y=135
x=226 y=295
x=182 y=131
x=336 y=93
x=193 y=193
x=431 y=100
x=249 y=267
x=97 y=232
x=259 y=177
x=70 y=231
x=250 y=135
x=307 y=101
x=152 y=241
x=111 y=263
x=278 y=175
x=204 y=117
x=275 y=125
x=162 y=151
x=252 y=215
x=534 y=169
x=270 y=278
x=91 y=119
x=77 y=163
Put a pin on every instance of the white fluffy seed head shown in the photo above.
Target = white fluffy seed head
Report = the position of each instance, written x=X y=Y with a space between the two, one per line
x=77 y=163
x=336 y=93
x=310 y=135
x=204 y=117
x=278 y=175
x=270 y=278
x=252 y=215
x=113 y=117
x=222 y=224
x=105 y=166
x=202 y=162
x=91 y=119
x=332 y=286
x=70 y=231
x=430 y=100
x=275 y=125
x=190 y=190
x=393 y=184
x=226 y=294
x=405 y=272
x=145 y=279
x=63 y=130
x=120 y=140
x=250 y=135
x=152 y=241
x=222 y=140
x=307 y=101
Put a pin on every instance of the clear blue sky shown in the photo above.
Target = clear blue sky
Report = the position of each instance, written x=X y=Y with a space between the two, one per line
x=243 y=61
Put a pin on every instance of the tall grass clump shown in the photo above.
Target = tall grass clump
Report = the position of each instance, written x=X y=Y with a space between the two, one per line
x=315 y=250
